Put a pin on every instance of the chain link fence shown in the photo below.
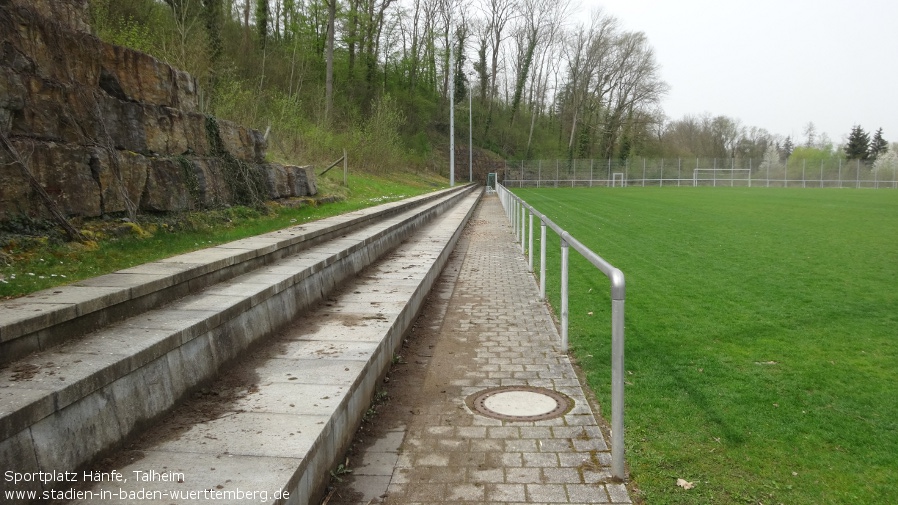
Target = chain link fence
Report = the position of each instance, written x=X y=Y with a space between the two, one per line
x=831 y=173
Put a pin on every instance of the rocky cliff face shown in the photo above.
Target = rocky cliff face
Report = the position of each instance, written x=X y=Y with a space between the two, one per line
x=104 y=129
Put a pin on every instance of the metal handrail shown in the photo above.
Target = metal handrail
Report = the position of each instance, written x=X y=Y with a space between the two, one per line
x=516 y=209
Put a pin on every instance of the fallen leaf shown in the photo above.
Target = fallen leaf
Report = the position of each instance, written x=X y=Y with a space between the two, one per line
x=684 y=484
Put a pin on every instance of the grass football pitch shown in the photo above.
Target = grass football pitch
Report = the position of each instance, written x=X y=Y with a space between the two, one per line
x=761 y=336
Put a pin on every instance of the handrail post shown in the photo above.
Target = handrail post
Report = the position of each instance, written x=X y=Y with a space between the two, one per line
x=617 y=389
x=618 y=295
x=530 y=249
x=508 y=204
x=542 y=260
x=523 y=230
x=564 y=291
x=514 y=216
x=510 y=210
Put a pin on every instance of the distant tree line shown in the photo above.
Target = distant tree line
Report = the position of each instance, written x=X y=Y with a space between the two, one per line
x=723 y=137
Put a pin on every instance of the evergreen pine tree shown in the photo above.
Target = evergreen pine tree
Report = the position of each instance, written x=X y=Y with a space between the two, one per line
x=788 y=147
x=878 y=145
x=858 y=144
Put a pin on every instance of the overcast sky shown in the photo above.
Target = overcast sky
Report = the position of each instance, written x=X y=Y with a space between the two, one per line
x=775 y=64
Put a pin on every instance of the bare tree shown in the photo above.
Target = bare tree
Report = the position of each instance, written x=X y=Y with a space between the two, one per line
x=611 y=88
x=810 y=133
x=590 y=71
x=499 y=13
x=481 y=32
x=540 y=19
x=413 y=55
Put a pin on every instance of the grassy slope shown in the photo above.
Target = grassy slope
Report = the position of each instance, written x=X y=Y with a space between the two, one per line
x=33 y=263
x=762 y=337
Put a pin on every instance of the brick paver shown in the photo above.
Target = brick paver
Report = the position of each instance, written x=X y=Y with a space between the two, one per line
x=496 y=332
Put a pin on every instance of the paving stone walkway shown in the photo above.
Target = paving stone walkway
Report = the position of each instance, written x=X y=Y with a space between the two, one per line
x=490 y=330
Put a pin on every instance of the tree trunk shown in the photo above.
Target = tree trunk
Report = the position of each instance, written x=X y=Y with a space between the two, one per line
x=522 y=76
x=329 y=78
x=352 y=33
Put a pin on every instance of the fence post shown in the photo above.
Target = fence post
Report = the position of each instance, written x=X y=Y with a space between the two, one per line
x=542 y=260
x=840 y=173
x=732 y=170
x=523 y=230
x=643 y=171
x=530 y=249
x=564 y=294
x=750 y=169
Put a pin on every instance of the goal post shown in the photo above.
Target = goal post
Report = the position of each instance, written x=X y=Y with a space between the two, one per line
x=617 y=179
x=721 y=176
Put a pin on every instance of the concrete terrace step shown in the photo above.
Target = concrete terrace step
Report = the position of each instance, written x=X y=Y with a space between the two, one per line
x=44 y=319
x=282 y=419
x=62 y=407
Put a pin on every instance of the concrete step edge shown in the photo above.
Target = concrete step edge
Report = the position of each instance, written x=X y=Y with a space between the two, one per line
x=25 y=321
x=207 y=310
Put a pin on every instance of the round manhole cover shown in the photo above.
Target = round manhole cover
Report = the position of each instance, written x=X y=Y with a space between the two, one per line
x=520 y=403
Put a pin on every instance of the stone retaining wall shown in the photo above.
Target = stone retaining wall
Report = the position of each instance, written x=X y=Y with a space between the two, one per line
x=98 y=124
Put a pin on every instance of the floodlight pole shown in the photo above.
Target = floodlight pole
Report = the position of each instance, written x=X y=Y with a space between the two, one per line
x=470 y=136
x=451 y=111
